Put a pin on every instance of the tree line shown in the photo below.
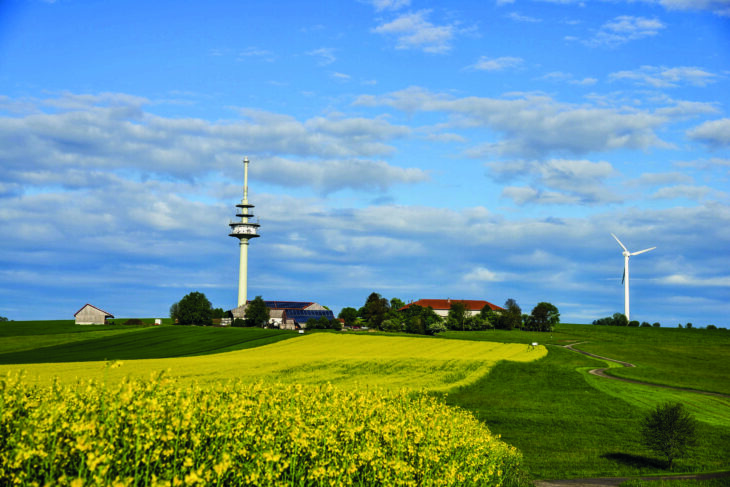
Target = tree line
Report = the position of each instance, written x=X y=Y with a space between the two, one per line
x=382 y=314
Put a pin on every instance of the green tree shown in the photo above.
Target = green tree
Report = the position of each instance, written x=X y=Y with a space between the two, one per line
x=669 y=430
x=544 y=317
x=349 y=315
x=193 y=309
x=218 y=313
x=375 y=310
x=489 y=316
x=511 y=317
x=457 y=316
x=418 y=320
x=257 y=314
x=396 y=304
x=2 y=318
x=620 y=319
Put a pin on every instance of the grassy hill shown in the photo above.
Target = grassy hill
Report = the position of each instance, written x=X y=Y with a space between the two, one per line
x=567 y=423
x=50 y=342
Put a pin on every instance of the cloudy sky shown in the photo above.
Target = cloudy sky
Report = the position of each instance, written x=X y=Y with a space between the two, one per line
x=474 y=149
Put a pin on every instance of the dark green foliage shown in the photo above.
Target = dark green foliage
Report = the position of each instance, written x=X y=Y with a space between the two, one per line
x=134 y=322
x=544 y=317
x=239 y=323
x=645 y=324
x=488 y=316
x=349 y=315
x=193 y=309
x=634 y=324
x=257 y=314
x=2 y=318
x=711 y=327
x=511 y=317
x=457 y=316
x=218 y=313
x=689 y=326
x=419 y=320
x=323 y=323
x=375 y=310
x=396 y=304
x=669 y=430
x=657 y=325
x=618 y=319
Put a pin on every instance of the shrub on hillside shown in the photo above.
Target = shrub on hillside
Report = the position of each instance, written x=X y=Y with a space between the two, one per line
x=134 y=322
x=669 y=430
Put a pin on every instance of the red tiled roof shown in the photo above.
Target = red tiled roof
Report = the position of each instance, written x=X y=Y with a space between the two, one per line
x=471 y=304
x=98 y=309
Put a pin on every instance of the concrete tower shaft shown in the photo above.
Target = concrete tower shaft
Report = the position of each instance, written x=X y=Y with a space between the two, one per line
x=244 y=231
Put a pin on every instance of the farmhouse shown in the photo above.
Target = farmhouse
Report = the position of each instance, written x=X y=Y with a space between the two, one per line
x=442 y=306
x=289 y=315
x=91 y=315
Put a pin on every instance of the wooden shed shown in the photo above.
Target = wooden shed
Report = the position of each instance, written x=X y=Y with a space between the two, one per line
x=91 y=315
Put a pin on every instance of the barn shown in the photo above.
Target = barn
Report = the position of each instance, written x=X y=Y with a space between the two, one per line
x=91 y=315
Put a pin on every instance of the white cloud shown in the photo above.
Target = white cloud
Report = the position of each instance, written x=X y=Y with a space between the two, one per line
x=690 y=280
x=496 y=64
x=381 y=5
x=414 y=31
x=718 y=7
x=571 y=181
x=687 y=191
x=715 y=133
x=481 y=274
x=326 y=55
x=523 y=18
x=623 y=29
x=663 y=77
x=535 y=125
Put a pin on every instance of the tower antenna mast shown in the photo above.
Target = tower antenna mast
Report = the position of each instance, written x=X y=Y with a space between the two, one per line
x=244 y=231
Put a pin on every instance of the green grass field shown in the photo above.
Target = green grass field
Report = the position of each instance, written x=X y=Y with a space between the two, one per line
x=568 y=424
x=27 y=344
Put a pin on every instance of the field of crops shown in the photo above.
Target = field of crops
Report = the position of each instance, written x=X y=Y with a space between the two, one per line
x=344 y=360
x=319 y=409
x=161 y=433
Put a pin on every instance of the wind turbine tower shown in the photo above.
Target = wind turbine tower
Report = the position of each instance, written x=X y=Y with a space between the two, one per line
x=244 y=231
x=625 y=280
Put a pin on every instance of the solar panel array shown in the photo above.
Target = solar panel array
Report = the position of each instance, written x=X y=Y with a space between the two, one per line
x=287 y=305
x=300 y=316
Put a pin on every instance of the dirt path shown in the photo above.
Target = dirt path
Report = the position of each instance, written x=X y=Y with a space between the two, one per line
x=616 y=481
x=602 y=373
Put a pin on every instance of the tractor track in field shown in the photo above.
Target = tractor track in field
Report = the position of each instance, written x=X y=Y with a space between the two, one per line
x=616 y=481
x=602 y=373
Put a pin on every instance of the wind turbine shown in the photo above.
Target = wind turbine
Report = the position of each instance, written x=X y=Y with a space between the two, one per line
x=625 y=280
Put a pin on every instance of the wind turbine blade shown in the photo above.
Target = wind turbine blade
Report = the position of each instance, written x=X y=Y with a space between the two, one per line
x=642 y=251
x=619 y=242
x=623 y=276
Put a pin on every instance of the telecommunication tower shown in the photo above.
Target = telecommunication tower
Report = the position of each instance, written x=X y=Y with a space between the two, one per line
x=244 y=231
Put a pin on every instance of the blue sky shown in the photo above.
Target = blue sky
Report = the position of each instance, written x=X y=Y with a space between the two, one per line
x=468 y=149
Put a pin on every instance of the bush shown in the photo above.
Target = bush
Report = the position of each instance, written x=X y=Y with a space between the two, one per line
x=711 y=327
x=669 y=430
x=645 y=324
x=193 y=309
x=657 y=325
x=634 y=323
x=134 y=322
x=239 y=322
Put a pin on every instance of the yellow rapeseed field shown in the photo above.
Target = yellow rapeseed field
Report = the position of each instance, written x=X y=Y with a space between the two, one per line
x=344 y=360
x=318 y=410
